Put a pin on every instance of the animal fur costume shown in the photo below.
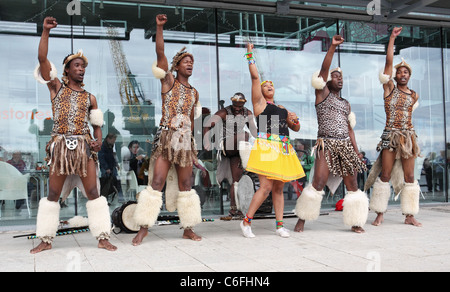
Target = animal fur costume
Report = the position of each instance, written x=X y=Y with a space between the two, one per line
x=408 y=192
x=150 y=201
x=47 y=220
x=355 y=204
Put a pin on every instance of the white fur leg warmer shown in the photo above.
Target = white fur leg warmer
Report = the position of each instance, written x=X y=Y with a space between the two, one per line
x=309 y=203
x=189 y=209
x=148 y=207
x=99 y=218
x=380 y=196
x=356 y=208
x=47 y=220
x=410 y=198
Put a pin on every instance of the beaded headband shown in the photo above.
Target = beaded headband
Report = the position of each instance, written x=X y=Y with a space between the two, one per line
x=404 y=64
x=69 y=58
x=267 y=81
x=178 y=57
x=238 y=97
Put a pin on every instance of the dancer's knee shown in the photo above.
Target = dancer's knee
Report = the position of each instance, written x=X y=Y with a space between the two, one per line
x=319 y=184
x=185 y=185
x=409 y=178
x=385 y=177
x=158 y=183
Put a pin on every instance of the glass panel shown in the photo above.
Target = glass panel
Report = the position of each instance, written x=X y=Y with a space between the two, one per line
x=288 y=51
x=445 y=63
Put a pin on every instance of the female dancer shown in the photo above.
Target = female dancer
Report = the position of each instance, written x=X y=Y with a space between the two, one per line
x=272 y=157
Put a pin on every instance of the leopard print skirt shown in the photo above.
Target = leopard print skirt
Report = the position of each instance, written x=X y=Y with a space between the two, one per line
x=402 y=142
x=175 y=145
x=341 y=157
x=64 y=161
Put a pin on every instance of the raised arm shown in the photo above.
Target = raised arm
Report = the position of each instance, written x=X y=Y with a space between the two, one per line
x=325 y=69
x=45 y=66
x=258 y=100
x=388 y=67
x=161 y=20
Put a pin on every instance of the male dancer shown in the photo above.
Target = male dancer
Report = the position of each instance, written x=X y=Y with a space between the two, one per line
x=173 y=143
x=232 y=120
x=71 y=150
x=398 y=143
x=336 y=150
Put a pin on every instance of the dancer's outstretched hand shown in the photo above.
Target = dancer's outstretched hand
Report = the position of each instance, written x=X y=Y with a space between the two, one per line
x=250 y=47
x=161 y=19
x=396 y=31
x=50 y=22
x=337 y=40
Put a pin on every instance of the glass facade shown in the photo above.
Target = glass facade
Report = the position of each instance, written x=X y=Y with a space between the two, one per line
x=117 y=38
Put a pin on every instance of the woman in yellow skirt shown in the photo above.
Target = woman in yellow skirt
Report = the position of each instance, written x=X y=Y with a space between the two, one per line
x=272 y=157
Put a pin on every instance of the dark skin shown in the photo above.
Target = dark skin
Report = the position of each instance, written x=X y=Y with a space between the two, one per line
x=231 y=145
x=261 y=94
x=184 y=71
x=402 y=77
x=75 y=74
x=321 y=171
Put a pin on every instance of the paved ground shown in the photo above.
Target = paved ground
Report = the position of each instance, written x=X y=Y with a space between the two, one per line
x=326 y=245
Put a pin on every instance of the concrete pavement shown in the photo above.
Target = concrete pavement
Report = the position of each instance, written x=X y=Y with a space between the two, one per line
x=325 y=246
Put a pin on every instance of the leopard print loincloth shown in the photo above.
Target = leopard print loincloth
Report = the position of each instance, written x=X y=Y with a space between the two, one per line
x=341 y=157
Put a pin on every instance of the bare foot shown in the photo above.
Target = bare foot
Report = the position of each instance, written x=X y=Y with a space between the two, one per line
x=41 y=247
x=104 y=243
x=412 y=221
x=137 y=240
x=378 y=220
x=190 y=234
x=300 y=225
x=358 y=229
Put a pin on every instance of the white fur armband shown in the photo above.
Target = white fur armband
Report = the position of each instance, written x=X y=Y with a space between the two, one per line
x=197 y=110
x=38 y=75
x=384 y=78
x=158 y=72
x=415 y=106
x=352 y=120
x=96 y=117
x=317 y=81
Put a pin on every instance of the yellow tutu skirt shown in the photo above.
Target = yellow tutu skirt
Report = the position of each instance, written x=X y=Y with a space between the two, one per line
x=274 y=157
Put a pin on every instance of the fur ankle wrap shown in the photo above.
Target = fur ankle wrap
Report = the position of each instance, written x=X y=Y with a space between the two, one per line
x=409 y=198
x=148 y=207
x=99 y=218
x=308 y=204
x=47 y=220
x=380 y=196
x=189 y=209
x=356 y=208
